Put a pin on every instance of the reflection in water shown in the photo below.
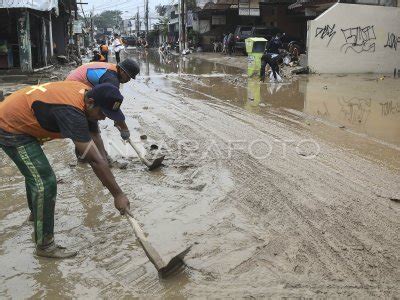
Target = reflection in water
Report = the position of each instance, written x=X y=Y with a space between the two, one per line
x=253 y=93
x=356 y=102
x=355 y=110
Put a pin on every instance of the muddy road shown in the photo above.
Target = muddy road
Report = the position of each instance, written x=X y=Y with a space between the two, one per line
x=283 y=191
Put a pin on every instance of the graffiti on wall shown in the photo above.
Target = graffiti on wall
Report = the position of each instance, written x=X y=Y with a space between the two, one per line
x=356 y=39
x=326 y=33
x=392 y=41
x=359 y=39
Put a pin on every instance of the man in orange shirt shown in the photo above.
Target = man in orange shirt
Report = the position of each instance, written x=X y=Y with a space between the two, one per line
x=96 y=73
x=57 y=110
x=104 y=50
x=97 y=57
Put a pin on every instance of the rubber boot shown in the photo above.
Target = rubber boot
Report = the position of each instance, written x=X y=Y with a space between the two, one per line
x=55 y=251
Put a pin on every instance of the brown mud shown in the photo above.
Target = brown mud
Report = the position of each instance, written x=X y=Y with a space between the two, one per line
x=10 y=83
x=283 y=191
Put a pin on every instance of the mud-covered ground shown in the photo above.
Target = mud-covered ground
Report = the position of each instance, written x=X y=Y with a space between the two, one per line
x=284 y=190
x=10 y=83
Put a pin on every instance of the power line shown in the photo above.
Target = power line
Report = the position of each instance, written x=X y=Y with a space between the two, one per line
x=100 y=6
x=110 y=8
x=106 y=6
x=129 y=5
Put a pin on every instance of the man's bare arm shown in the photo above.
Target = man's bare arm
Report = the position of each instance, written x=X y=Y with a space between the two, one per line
x=123 y=128
x=91 y=153
x=99 y=143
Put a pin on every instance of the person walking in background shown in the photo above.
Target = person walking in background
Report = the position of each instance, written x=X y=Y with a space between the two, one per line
x=97 y=57
x=145 y=44
x=224 y=43
x=275 y=44
x=294 y=51
x=104 y=50
x=118 y=45
x=231 y=43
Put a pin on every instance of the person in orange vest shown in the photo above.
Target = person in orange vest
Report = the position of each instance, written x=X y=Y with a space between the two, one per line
x=57 y=110
x=96 y=73
x=104 y=50
x=98 y=57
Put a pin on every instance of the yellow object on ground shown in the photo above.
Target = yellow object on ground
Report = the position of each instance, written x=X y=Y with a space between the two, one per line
x=255 y=48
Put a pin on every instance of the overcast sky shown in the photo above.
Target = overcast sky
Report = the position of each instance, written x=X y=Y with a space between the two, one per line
x=128 y=7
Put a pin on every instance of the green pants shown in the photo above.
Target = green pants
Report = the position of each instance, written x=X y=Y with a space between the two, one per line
x=41 y=187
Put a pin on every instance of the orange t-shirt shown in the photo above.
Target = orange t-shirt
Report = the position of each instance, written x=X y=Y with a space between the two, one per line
x=104 y=48
x=17 y=115
x=80 y=73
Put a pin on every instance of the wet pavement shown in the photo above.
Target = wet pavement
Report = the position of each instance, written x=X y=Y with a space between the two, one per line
x=282 y=189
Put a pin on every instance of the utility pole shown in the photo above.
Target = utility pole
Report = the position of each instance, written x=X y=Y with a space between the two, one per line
x=51 y=35
x=91 y=26
x=77 y=40
x=137 y=23
x=181 y=25
x=146 y=16
x=116 y=24
x=185 y=41
x=71 y=24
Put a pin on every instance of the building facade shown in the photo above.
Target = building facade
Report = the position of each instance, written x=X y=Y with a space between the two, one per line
x=31 y=32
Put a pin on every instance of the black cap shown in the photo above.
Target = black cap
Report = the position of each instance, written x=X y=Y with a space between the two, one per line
x=109 y=99
x=130 y=67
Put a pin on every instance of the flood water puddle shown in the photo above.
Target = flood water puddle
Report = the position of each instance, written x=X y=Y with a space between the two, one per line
x=368 y=104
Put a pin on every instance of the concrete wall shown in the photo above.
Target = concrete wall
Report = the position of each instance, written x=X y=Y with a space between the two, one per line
x=351 y=38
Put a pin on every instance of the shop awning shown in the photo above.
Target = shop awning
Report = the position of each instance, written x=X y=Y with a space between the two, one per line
x=310 y=3
x=42 y=5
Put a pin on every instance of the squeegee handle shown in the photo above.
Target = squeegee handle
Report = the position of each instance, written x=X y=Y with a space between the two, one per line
x=133 y=146
x=145 y=161
x=135 y=225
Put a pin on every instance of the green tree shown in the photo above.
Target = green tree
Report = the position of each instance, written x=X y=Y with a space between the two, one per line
x=191 y=4
x=108 y=19
x=161 y=10
x=163 y=25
